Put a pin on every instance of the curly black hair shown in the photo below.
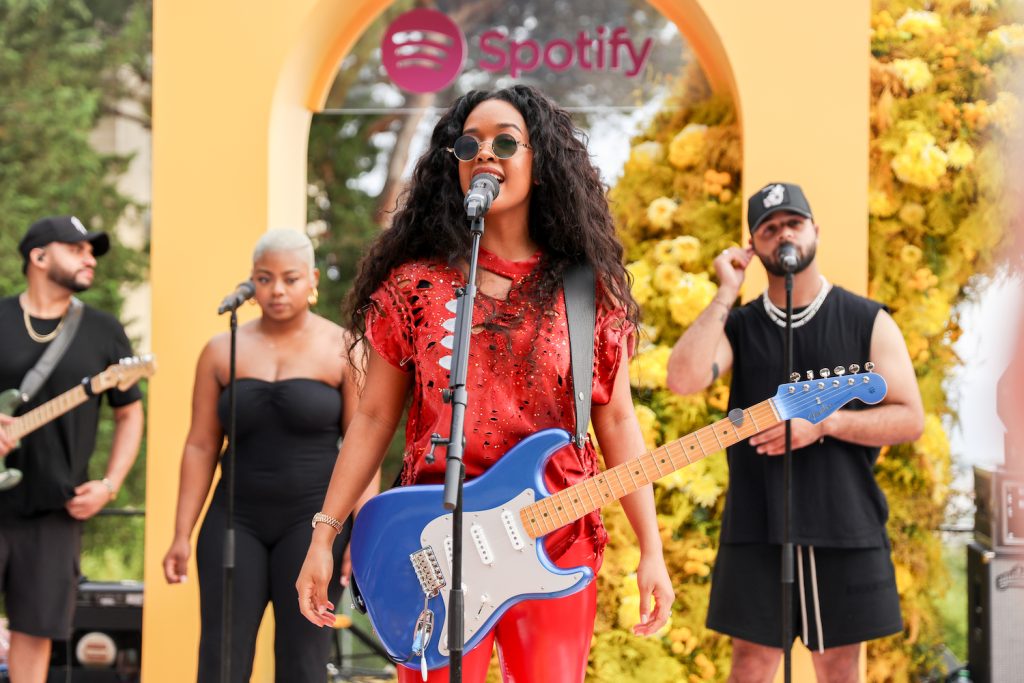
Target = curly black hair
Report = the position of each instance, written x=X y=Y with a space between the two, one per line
x=569 y=216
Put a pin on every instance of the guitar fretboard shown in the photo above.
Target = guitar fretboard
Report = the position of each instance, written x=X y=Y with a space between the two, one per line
x=51 y=410
x=570 y=504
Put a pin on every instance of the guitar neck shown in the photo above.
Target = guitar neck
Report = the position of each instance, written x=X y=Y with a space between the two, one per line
x=49 y=411
x=570 y=504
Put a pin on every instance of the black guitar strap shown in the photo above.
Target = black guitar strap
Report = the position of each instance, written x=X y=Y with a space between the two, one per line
x=579 y=284
x=41 y=371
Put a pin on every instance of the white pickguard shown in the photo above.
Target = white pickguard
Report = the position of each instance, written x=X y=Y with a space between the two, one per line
x=508 y=572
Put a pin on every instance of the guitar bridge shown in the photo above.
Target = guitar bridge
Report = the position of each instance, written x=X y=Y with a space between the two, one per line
x=428 y=571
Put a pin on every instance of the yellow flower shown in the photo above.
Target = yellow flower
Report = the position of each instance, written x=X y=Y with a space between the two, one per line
x=719 y=397
x=982 y=6
x=646 y=154
x=704 y=491
x=914 y=73
x=976 y=114
x=650 y=366
x=881 y=204
x=707 y=667
x=641 y=289
x=648 y=420
x=691 y=295
x=687 y=147
x=910 y=254
x=660 y=212
x=904 y=579
x=920 y=23
x=1008 y=38
x=666 y=277
x=912 y=213
x=683 y=250
x=917 y=347
x=933 y=440
x=696 y=568
x=920 y=162
x=923 y=279
x=959 y=154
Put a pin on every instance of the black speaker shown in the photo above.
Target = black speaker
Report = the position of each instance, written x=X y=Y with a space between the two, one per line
x=106 y=641
x=995 y=614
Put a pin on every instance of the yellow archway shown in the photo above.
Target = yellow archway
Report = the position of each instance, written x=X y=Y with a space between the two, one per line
x=235 y=87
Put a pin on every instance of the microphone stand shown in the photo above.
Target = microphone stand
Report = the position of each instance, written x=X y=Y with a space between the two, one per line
x=455 y=470
x=787 y=502
x=229 y=532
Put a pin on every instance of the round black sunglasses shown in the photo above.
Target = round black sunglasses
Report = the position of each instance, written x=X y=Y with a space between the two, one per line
x=503 y=145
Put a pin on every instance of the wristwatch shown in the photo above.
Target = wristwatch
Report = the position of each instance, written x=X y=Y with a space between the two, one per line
x=323 y=518
x=110 y=488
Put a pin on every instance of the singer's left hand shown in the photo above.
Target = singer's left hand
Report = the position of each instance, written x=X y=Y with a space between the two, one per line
x=772 y=441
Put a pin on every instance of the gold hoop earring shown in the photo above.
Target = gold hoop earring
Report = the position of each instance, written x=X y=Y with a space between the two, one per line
x=253 y=302
x=313 y=297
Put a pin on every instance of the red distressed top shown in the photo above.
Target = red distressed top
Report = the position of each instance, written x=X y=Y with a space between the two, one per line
x=519 y=379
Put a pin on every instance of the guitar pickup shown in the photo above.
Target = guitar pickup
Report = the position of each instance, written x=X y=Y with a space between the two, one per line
x=514 y=537
x=483 y=548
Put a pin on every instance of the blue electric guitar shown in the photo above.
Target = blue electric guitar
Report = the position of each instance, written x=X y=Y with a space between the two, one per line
x=401 y=544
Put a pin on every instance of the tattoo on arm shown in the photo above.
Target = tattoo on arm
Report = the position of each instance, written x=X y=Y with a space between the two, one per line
x=714 y=371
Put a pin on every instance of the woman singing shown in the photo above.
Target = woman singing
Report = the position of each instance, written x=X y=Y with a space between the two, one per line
x=551 y=212
x=295 y=397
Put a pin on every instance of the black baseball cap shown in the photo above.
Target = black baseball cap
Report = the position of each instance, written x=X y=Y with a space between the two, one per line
x=66 y=229
x=776 y=197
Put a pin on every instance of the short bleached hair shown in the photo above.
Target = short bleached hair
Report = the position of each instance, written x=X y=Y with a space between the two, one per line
x=285 y=239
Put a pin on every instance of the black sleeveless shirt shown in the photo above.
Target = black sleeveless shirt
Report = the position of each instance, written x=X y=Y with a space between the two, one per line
x=836 y=501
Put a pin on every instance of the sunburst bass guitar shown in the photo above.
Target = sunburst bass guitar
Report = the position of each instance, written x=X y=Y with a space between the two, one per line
x=401 y=545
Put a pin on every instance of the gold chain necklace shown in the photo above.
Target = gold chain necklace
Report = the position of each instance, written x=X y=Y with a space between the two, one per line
x=35 y=336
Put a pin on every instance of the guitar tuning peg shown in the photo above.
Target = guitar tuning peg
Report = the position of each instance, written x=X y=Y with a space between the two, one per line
x=795 y=377
x=839 y=371
x=824 y=373
x=854 y=369
x=869 y=366
x=810 y=374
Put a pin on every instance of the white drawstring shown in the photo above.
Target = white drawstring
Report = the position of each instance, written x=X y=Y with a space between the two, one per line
x=800 y=580
x=817 y=604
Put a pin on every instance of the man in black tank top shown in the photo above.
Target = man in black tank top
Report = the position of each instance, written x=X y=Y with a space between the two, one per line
x=845 y=589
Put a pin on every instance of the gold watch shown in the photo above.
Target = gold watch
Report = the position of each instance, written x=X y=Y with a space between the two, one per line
x=323 y=518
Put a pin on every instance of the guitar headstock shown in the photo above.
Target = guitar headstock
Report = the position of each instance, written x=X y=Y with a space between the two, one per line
x=124 y=373
x=815 y=399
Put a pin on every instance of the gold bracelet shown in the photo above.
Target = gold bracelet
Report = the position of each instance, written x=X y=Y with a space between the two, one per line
x=323 y=518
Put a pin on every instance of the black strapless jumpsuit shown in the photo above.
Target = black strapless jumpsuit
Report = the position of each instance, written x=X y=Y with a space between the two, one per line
x=287 y=435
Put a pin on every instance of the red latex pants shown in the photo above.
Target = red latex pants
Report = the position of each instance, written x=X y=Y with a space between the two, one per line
x=539 y=641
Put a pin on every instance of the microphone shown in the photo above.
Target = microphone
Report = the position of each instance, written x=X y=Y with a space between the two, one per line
x=243 y=292
x=788 y=258
x=482 y=191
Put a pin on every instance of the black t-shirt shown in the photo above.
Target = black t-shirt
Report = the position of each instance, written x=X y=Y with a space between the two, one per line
x=55 y=458
x=836 y=501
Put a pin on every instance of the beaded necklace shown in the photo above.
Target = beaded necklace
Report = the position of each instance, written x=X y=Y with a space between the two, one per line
x=778 y=316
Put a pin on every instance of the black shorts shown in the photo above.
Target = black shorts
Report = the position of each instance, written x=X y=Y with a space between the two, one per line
x=856 y=591
x=39 y=572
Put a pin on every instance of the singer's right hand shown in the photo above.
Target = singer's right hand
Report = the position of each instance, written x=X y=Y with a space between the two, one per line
x=176 y=561
x=314 y=578
x=731 y=267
